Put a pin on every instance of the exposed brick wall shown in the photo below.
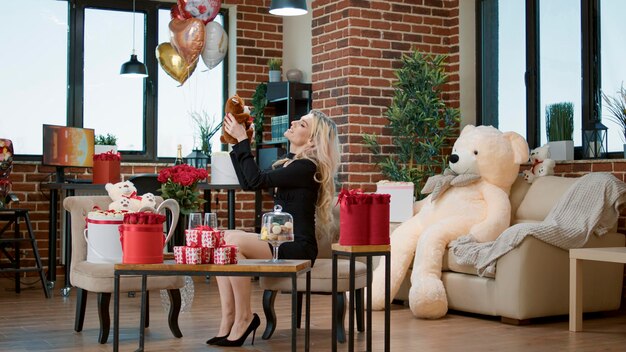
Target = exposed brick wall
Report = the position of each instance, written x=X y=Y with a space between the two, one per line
x=356 y=49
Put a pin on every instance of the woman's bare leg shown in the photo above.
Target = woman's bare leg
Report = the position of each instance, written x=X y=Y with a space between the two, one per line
x=249 y=248
x=227 y=301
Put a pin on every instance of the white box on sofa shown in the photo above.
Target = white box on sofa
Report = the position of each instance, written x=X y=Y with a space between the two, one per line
x=401 y=207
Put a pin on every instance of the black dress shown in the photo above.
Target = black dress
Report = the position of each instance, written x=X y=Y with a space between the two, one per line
x=296 y=192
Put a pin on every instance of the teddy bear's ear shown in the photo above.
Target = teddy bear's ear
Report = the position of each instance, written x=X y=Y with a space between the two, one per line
x=467 y=129
x=519 y=147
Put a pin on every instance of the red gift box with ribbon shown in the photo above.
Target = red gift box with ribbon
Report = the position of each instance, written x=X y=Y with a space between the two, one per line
x=379 y=219
x=363 y=218
x=106 y=168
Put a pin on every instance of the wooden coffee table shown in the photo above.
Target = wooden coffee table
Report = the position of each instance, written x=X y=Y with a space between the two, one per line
x=576 y=256
x=249 y=267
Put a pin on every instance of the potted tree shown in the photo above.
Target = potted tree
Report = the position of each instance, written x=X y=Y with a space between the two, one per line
x=617 y=111
x=420 y=123
x=559 y=130
x=274 y=65
x=206 y=128
x=105 y=143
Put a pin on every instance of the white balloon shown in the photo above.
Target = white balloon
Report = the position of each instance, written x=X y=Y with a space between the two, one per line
x=215 y=44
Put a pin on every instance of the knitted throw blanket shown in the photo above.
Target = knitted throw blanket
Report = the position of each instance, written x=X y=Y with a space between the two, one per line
x=591 y=205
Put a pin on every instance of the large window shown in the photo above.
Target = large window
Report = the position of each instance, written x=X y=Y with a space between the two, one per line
x=613 y=53
x=33 y=87
x=67 y=73
x=548 y=52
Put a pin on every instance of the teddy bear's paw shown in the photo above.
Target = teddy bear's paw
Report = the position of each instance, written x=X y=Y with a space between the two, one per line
x=427 y=298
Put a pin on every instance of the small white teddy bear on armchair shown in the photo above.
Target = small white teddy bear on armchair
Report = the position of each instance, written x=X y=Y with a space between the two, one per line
x=541 y=164
x=124 y=197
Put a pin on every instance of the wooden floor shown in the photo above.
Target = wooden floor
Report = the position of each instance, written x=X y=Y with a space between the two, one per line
x=29 y=322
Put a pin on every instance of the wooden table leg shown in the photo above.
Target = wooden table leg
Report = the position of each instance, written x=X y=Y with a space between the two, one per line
x=116 y=313
x=575 y=295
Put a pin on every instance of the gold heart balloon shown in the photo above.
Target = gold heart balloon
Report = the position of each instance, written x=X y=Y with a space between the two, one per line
x=174 y=64
x=187 y=37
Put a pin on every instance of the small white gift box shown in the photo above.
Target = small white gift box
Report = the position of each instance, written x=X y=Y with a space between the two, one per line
x=401 y=206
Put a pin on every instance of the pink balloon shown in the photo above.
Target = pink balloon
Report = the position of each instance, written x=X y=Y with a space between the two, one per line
x=187 y=37
x=204 y=10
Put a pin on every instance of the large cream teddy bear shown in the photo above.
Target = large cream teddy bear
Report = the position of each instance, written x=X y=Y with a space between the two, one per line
x=472 y=197
x=124 y=197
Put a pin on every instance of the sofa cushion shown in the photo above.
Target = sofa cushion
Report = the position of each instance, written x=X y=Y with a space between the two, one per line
x=450 y=263
x=518 y=191
x=542 y=195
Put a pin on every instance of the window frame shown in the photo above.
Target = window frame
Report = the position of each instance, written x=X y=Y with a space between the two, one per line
x=75 y=77
x=590 y=70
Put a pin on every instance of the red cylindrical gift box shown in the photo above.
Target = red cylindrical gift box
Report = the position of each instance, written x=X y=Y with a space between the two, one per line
x=353 y=218
x=379 y=219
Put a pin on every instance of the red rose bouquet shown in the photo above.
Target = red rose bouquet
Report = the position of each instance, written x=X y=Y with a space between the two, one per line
x=180 y=183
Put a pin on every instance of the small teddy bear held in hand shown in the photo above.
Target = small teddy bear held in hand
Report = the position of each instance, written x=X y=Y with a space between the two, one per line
x=124 y=197
x=541 y=164
x=241 y=113
x=471 y=198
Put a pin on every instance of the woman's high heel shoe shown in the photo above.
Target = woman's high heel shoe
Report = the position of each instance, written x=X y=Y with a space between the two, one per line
x=213 y=340
x=254 y=324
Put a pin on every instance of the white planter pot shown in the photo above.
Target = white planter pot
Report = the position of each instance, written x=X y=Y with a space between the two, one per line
x=275 y=76
x=561 y=150
x=99 y=148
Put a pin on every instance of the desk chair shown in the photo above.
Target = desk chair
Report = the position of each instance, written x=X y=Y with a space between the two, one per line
x=321 y=283
x=12 y=217
x=99 y=278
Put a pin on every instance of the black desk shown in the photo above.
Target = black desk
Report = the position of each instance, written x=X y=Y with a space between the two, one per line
x=71 y=188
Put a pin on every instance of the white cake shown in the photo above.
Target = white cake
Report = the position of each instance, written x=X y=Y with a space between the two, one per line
x=222 y=170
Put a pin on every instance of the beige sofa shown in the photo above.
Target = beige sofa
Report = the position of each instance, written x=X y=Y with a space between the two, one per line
x=532 y=280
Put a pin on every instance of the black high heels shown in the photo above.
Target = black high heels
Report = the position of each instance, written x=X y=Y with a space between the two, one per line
x=254 y=324
x=213 y=340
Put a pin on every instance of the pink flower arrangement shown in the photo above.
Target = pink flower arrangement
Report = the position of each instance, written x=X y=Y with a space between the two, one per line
x=180 y=183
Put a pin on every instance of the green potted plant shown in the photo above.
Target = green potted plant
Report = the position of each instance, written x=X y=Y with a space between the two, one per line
x=205 y=128
x=105 y=143
x=259 y=102
x=559 y=130
x=274 y=65
x=420 y=123
x=617 y=111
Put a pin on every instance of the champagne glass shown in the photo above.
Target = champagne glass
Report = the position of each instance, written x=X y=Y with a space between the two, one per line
x=195 y=220
x=210 y=220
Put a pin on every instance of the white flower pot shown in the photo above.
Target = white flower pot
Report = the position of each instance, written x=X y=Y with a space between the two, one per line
x=99 y=148
x=275 y=76
x=561 y=150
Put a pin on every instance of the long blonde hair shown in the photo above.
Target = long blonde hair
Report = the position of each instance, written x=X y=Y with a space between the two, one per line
x=324 y=153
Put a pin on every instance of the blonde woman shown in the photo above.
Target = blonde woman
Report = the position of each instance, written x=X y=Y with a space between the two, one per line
x=305 y=184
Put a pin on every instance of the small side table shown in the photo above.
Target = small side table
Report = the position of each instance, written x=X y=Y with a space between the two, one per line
x=576 y=256
x=352 y=252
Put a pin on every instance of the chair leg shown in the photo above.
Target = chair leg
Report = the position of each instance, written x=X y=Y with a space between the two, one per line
x=104 y=298
x=360 y=310
x=172 y=319
x=147 y=320
x=81 y=304
x=340 y=315
x=269 y=297
x=299 y=313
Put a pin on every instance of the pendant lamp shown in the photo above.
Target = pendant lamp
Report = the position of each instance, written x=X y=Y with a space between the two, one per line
x=288 y=7
x=134 y=67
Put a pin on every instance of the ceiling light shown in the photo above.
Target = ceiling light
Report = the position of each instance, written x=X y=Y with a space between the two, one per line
x=288 y=7
x=134 y=67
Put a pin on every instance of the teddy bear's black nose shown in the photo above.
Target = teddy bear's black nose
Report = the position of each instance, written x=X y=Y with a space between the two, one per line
x=454 y=158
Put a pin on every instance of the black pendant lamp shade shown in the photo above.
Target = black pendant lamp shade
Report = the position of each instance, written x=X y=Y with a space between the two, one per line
x=134 y=67
x=288 y=7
